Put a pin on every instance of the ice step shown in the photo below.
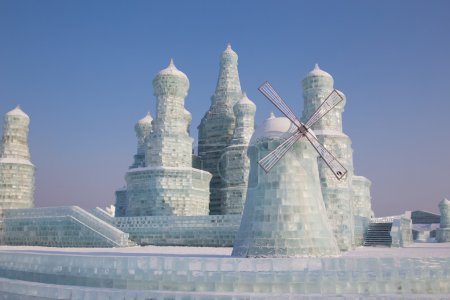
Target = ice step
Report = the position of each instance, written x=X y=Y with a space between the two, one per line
x=378 y=234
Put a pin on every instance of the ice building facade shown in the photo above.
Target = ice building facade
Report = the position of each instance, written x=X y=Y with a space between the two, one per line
x=284 y=215
x=216 y=128
x=16 y=170
x=161 y=180
x=235 y=163
x=338 y=195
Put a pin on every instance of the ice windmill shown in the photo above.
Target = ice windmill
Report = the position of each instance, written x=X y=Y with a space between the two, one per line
x=303 y=130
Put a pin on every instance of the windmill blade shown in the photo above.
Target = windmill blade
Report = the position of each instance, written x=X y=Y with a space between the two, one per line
x=336 y=167
x=267 y=90
x=270 y=160
x=333 y=99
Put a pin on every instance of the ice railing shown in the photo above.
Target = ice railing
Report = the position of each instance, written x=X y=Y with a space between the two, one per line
x=389 y=219
x=101 y=227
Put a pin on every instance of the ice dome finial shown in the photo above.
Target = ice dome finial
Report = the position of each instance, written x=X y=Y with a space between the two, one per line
x=172 y=70
x=229 y=51
x=444 y=202
x=317 y=71
x=244 y=101
x=271 y=116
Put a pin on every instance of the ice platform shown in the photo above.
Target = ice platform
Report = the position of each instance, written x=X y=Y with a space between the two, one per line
x=420 y=271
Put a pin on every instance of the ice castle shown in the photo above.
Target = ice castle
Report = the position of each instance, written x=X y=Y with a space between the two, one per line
x=286 y=233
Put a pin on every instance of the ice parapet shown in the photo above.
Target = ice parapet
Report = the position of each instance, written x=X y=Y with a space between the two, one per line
x=284 y=214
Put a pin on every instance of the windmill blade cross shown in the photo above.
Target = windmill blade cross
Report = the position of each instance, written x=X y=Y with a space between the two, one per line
x=271 y=159
x=267 y=90
x=336 y=167
x=333 y=99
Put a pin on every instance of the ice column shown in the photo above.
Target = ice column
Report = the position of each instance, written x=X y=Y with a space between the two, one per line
x=284 y=214
x=168 y=185
x=217 y=126
x=317 y=85
x=235 y=164
x=16 y=170
x=443 y=233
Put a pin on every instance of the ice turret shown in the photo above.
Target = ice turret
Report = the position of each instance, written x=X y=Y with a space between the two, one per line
x=284 y=214
x=143 y=128
x=167 y=185
x=235 y=164
x=16 y=170
x=338 y=195
x=217 y=126
x=443 y=233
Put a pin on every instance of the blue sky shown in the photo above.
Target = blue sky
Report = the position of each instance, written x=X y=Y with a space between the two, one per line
x=83 y=70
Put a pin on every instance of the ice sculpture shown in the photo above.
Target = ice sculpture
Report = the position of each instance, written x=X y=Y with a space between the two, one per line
x=284 y=214
x=235 y=164
x=143 y=128
x=16 y=170
x=165 y=182
x=338 y=195
x=443 y=233
x=217 y=126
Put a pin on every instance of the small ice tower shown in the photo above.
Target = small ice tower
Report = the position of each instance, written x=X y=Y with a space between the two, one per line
x=284 y=214
x=235 y=164
x=168 y=185
x=217 y=125
x=16 y=170
x=337 y=194
x=143 y=128
x=443 y=233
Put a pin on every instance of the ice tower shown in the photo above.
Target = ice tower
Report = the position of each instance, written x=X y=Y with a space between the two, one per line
x=235 y=164
x=217 y=126
x=284 y=215
x=443 y=232
x=338 y=195
x=143 y=128
x=16 y=169
x=165 y=182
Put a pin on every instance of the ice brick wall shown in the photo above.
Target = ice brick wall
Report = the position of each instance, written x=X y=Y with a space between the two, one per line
x=196 y=277
x=59 y=227
x=217 y=125
x=284 y=214
x=16 y=170
x=235 y=163
x=192 y=231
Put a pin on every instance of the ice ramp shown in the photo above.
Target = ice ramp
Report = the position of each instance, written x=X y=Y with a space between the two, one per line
x=68 y=226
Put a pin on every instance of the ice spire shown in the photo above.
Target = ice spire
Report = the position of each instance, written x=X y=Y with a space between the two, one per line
x=217 y=126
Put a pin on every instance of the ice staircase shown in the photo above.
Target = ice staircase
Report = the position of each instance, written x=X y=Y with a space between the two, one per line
x=69 y=226
x=379 y=234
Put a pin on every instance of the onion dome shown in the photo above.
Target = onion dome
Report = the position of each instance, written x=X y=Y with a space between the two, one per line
x=273 y=128
x=229 y=55
x=317 y=79
x=144 y=125
x=244 y=104
x=317 y=72
x=17 y=112
x=171 y=81
x=444 y=202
